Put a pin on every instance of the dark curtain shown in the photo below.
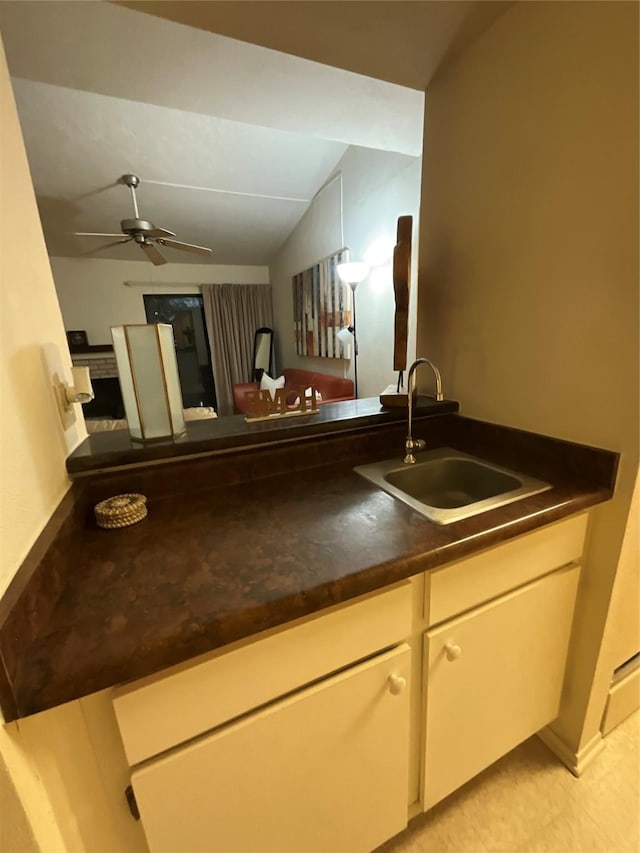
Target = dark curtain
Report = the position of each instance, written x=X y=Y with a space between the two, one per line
x=233 y=313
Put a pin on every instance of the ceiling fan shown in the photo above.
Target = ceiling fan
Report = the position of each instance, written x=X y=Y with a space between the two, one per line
x=144 y=233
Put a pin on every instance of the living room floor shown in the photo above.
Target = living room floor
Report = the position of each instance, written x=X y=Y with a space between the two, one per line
x=528 y=801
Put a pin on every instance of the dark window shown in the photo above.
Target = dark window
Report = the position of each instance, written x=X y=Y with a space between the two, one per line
x=186 y=315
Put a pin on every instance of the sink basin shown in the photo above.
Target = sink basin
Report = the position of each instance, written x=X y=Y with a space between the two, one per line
x=447 y=485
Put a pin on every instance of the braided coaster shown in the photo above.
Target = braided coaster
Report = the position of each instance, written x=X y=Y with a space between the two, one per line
x=121 y=511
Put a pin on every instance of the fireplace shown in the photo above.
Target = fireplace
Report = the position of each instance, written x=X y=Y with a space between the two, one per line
x=107 y=402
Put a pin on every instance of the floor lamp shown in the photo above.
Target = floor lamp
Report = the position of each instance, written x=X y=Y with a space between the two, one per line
x=352 y=273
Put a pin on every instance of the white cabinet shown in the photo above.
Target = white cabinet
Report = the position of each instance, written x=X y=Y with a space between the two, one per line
x=294 y=740
x=493 y=677
x=313 y=737
x=325 y=769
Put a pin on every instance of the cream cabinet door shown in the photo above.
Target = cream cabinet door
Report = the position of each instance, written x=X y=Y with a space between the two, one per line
x=325 y=769
x=493 y=678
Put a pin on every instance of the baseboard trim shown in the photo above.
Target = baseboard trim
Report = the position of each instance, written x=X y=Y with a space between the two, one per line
x=623 y=700
x=576 y=762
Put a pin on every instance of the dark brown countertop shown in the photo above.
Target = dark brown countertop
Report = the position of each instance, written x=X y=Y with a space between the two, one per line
x=103 y=450
x=212 y=565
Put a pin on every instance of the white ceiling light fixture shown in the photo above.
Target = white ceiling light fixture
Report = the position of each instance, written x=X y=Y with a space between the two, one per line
x=145 y=233
x=352 y=273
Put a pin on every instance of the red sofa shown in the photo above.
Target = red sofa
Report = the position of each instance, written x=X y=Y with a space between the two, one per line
x=332 y=388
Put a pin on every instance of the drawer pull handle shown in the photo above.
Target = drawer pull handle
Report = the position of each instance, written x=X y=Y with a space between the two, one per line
x=452 y=651
x=396 y=684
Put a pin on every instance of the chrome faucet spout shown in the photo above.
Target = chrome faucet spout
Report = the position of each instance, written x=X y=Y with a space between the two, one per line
x=411 y=443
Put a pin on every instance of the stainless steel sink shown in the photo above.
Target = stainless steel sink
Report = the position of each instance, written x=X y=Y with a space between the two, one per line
x=447 y=485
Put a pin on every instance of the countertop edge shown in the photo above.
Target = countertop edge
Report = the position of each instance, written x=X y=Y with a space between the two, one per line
x=63 y=678
x=369 y=580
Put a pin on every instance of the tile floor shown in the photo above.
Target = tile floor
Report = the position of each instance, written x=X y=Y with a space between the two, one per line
x=529 y=802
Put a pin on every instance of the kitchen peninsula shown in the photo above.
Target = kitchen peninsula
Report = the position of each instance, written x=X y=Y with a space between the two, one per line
x=248 y=552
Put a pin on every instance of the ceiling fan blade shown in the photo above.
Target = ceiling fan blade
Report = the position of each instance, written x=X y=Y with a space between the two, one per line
x=106 y=246
x=186 y=247
x=92 y=234
x=153 y=254
x=160 y=232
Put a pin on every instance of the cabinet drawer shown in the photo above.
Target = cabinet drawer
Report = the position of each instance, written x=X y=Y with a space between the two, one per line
x=156 y=713
x=494 y=677
x=323 y=770
x=460 y=586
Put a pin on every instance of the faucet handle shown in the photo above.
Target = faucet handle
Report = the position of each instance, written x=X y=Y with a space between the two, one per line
x=410 y=445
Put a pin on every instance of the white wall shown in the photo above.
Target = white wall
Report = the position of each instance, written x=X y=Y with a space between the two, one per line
x=377 y=187
x=93 y=295
x=528 y=295
x=33 y=445
x=317 y=235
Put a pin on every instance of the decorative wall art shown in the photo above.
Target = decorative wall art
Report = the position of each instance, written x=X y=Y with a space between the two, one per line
x=322 y=305
x=78 y=341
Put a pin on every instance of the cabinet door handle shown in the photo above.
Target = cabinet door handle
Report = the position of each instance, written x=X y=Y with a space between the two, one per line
x=452 y=651
x=396 y=684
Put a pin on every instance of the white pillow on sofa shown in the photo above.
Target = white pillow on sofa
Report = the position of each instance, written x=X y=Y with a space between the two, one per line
x=271 y=385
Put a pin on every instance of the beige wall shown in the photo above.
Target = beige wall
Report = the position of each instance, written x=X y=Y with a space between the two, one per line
x=33 y=445
x=528 y=297
x=93 y=295
x=15 y=831
x=622 y=638
x=33 y=349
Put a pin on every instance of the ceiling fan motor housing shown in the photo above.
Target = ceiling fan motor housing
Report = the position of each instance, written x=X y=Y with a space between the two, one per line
x=132 y=226
x=129 y=180
x=145 y=233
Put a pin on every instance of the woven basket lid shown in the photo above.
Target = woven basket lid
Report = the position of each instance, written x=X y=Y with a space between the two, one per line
x=121 y=510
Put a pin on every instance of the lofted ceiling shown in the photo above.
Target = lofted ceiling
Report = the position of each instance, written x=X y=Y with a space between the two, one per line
x=401 y=41
x=238 y=188
x=230 y=139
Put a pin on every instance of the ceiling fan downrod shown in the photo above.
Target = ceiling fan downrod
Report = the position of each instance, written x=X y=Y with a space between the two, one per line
x=138 y=228
x=131 y=181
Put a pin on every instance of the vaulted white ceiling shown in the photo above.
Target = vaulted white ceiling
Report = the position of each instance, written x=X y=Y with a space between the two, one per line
x=231 y=140
x=243 y=190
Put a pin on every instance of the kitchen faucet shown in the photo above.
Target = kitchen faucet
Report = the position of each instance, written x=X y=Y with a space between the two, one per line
x=411 y=443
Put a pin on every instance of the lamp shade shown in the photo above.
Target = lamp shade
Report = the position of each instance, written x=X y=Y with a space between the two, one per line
x=344 y=336
x=148 y=373
x=353 y=272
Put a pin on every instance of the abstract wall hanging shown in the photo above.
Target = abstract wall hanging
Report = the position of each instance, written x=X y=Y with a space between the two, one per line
x=322 y=305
